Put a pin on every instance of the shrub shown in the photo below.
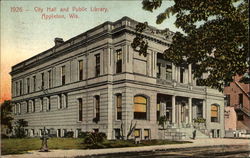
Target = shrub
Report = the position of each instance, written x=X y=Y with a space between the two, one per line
x=69 y=134
x=95 y=139
x=83 y=134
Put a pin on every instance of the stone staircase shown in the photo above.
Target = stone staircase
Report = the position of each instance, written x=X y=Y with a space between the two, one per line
x=181 y=133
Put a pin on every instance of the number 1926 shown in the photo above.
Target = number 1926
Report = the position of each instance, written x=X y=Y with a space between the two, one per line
x=16 y=9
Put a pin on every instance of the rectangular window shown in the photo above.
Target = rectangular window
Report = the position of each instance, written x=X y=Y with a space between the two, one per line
x=168 y=71
x=182 y=70
x=214 y=113
x=97 y=108
x=42 y=76
x=64 y=100
x=158 y=70
x=19 y=108
x=80 y=109
x=117 y=133
x=119 y=106
x=33 y=105
x=58 y=132
x=80 y=67
x=146 y=134
x=34 y=83
x=21 y=87
x=63 y=75
x=97 y=66
x=241 y=99
x=28 y=85
x=41 y=104
x=32 y=132
x=48 y=103
x=59 y=101
x=119 y=61
x=27 y=106
x=137 y=133
x=16 y=88
x=49 y=79
x=158 y=111
x=227 y=100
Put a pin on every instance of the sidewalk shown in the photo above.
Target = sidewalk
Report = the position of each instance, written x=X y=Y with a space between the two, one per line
x=73 y=153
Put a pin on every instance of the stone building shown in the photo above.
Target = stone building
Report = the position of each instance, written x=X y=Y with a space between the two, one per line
x=237 y=108
x=97 y=82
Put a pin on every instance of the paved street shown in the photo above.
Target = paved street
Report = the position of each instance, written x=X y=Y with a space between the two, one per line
x=199 y=148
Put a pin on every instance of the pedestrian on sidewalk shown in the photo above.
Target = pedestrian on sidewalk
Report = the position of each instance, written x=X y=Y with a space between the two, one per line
x=194 y=134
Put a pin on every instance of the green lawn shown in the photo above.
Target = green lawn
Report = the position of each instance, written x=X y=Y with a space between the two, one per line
x=20 y=146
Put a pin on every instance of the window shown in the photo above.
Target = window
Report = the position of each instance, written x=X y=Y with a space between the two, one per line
x=27 y=106
x=119 y=61
x=64 y=100
x=58 y=132
x=158 y=70
x=140 y=107
x=227 y=100
x=28 y=85
x=16 y=88
x=41 y=104
x=42 y=86
x=137 y=133
x=49 y=79
x=168 y=71
x=241 y=99
x=15 y=109
x=214 y=113
x=33 y=105
x=240 y=117
x=146 y=134
x=169 y=109
x=48 y=103
x=63 y=75
x=80 y=109
x=80 y=66
x=32 y=132
x=19 y=108
x=118 y=106
x=117 y=133
x=21 y=87
x=97 y=66
x=97 y=108
x=182 y=70
x=34 y=83
x=59 y=101
x=158 y=110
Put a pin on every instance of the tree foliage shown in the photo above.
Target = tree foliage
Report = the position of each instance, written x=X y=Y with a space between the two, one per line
x=19 y=128
x=214 y=38
x=6 y=118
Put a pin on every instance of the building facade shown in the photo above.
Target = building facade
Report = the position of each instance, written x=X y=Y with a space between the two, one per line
x=97 y=82
x=237 y=108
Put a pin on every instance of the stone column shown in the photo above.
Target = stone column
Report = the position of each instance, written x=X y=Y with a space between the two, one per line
x=189 y=74
x=204 y=108
x=190 y=110
x=162 y=109
x=173 y=110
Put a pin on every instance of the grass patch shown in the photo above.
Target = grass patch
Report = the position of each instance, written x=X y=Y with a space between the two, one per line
x=20 y=146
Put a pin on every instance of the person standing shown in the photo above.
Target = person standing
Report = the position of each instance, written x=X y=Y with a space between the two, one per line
x=194 y=134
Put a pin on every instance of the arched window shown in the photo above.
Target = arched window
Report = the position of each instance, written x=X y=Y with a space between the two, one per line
x=214 y=113
x=140 y=107
x=118 y=106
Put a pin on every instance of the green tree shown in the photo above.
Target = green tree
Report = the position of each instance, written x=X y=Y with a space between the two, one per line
x=214 y=37
x=6 y=118
x=19 y=128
